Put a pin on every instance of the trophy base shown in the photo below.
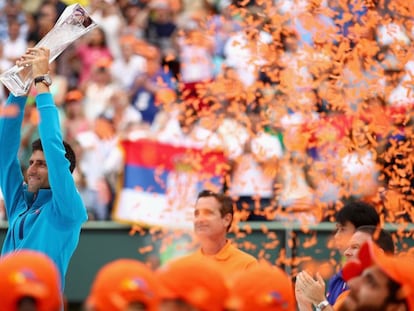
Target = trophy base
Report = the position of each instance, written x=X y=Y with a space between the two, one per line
x=13 y=81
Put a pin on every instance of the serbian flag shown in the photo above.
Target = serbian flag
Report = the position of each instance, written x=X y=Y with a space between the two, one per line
x=161 y=182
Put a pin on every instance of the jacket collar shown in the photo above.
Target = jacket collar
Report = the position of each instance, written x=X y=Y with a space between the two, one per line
x=37 y=199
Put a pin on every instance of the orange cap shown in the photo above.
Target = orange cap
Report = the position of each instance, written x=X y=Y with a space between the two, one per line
x=74 y=95
x=121 y=282
x=29 y=273
x=198 y=283
x=399 y=268
x=262 y=287
x=103 y=62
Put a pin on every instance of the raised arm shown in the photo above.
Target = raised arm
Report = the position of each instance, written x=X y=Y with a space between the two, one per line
x=66 y=197
x=11 y=177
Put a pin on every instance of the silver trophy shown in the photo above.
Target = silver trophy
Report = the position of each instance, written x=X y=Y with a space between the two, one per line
x=71 y=25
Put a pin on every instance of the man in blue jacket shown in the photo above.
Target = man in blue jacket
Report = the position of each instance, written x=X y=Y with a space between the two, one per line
x=45 y=212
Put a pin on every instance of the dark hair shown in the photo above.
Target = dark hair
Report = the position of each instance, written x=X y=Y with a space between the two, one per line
x=70 y=154
x=381 y=237
x=359 y=214
x=226 y=202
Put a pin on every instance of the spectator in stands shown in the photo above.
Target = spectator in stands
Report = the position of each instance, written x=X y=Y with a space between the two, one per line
x=121 y=113
x=96 y=147
x=353 y=215
x=98 y=89
x=5 y=64
x=29 y=280
x=124 y=285
x=160 y=25
x=195 y=50
x=15 y=45
x=213 y=215
x=89 y=51
x=12 y=10
x=358 y=169
x=378 y=281
x=254 y=170
x=48 y=201
x=190 y=284
x=148 y=84
x=75 y=121
x=313 y=291
x=381 y=237
x=135 y=17
x=45 y=20
x=349 y=218
x=60 y=86
x=243 y=50
x=128 y=65
x=109 y=18
x=295 y=199
x=263 y=287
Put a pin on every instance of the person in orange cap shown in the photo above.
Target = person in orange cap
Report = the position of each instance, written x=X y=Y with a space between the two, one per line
x=264 y=287
x=378 y=281
x=190 y=284
x=29 y=280
x=213 y=215
x=124 y=285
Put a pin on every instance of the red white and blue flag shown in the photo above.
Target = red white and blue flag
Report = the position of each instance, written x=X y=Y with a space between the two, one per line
x=161 y=182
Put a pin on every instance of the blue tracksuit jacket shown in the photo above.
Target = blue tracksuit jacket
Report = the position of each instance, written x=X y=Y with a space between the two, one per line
x=49 y=222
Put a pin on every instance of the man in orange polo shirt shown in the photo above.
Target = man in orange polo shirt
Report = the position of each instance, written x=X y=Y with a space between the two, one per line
x=213 y=215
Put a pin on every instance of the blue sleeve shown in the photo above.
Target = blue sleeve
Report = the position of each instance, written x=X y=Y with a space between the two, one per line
x=67 y=201
x=11 y=177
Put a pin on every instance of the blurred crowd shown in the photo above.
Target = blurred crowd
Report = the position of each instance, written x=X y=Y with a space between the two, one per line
x=310 y=100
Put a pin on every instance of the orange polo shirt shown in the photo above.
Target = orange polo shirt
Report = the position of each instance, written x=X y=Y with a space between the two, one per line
x=231 y=259
x=340 y=300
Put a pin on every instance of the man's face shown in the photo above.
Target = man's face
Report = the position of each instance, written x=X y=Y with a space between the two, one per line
x=208 y=222
x=355 y=243
x=37 y=177
x=367 y=292
x=343 y=235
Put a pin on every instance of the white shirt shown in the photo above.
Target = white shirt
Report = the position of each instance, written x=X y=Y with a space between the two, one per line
x=124 y=73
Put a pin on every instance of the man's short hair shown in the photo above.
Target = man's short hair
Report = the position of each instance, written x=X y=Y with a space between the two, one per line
x=226 y=202
x=381 y=237
x=359 y=214
x=69 y=153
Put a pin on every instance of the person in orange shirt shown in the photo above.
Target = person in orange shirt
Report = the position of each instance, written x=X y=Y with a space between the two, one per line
x=213 y=215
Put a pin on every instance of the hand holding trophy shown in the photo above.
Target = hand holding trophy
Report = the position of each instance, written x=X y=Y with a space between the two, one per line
x=71 y=25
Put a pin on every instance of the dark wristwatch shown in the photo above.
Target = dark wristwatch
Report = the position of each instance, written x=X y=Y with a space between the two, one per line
x=45 y=79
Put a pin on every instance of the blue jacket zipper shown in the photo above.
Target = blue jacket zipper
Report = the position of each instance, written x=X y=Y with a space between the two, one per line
x=21 y=226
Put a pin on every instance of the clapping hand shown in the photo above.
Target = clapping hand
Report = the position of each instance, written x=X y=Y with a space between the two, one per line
x=312 y=289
